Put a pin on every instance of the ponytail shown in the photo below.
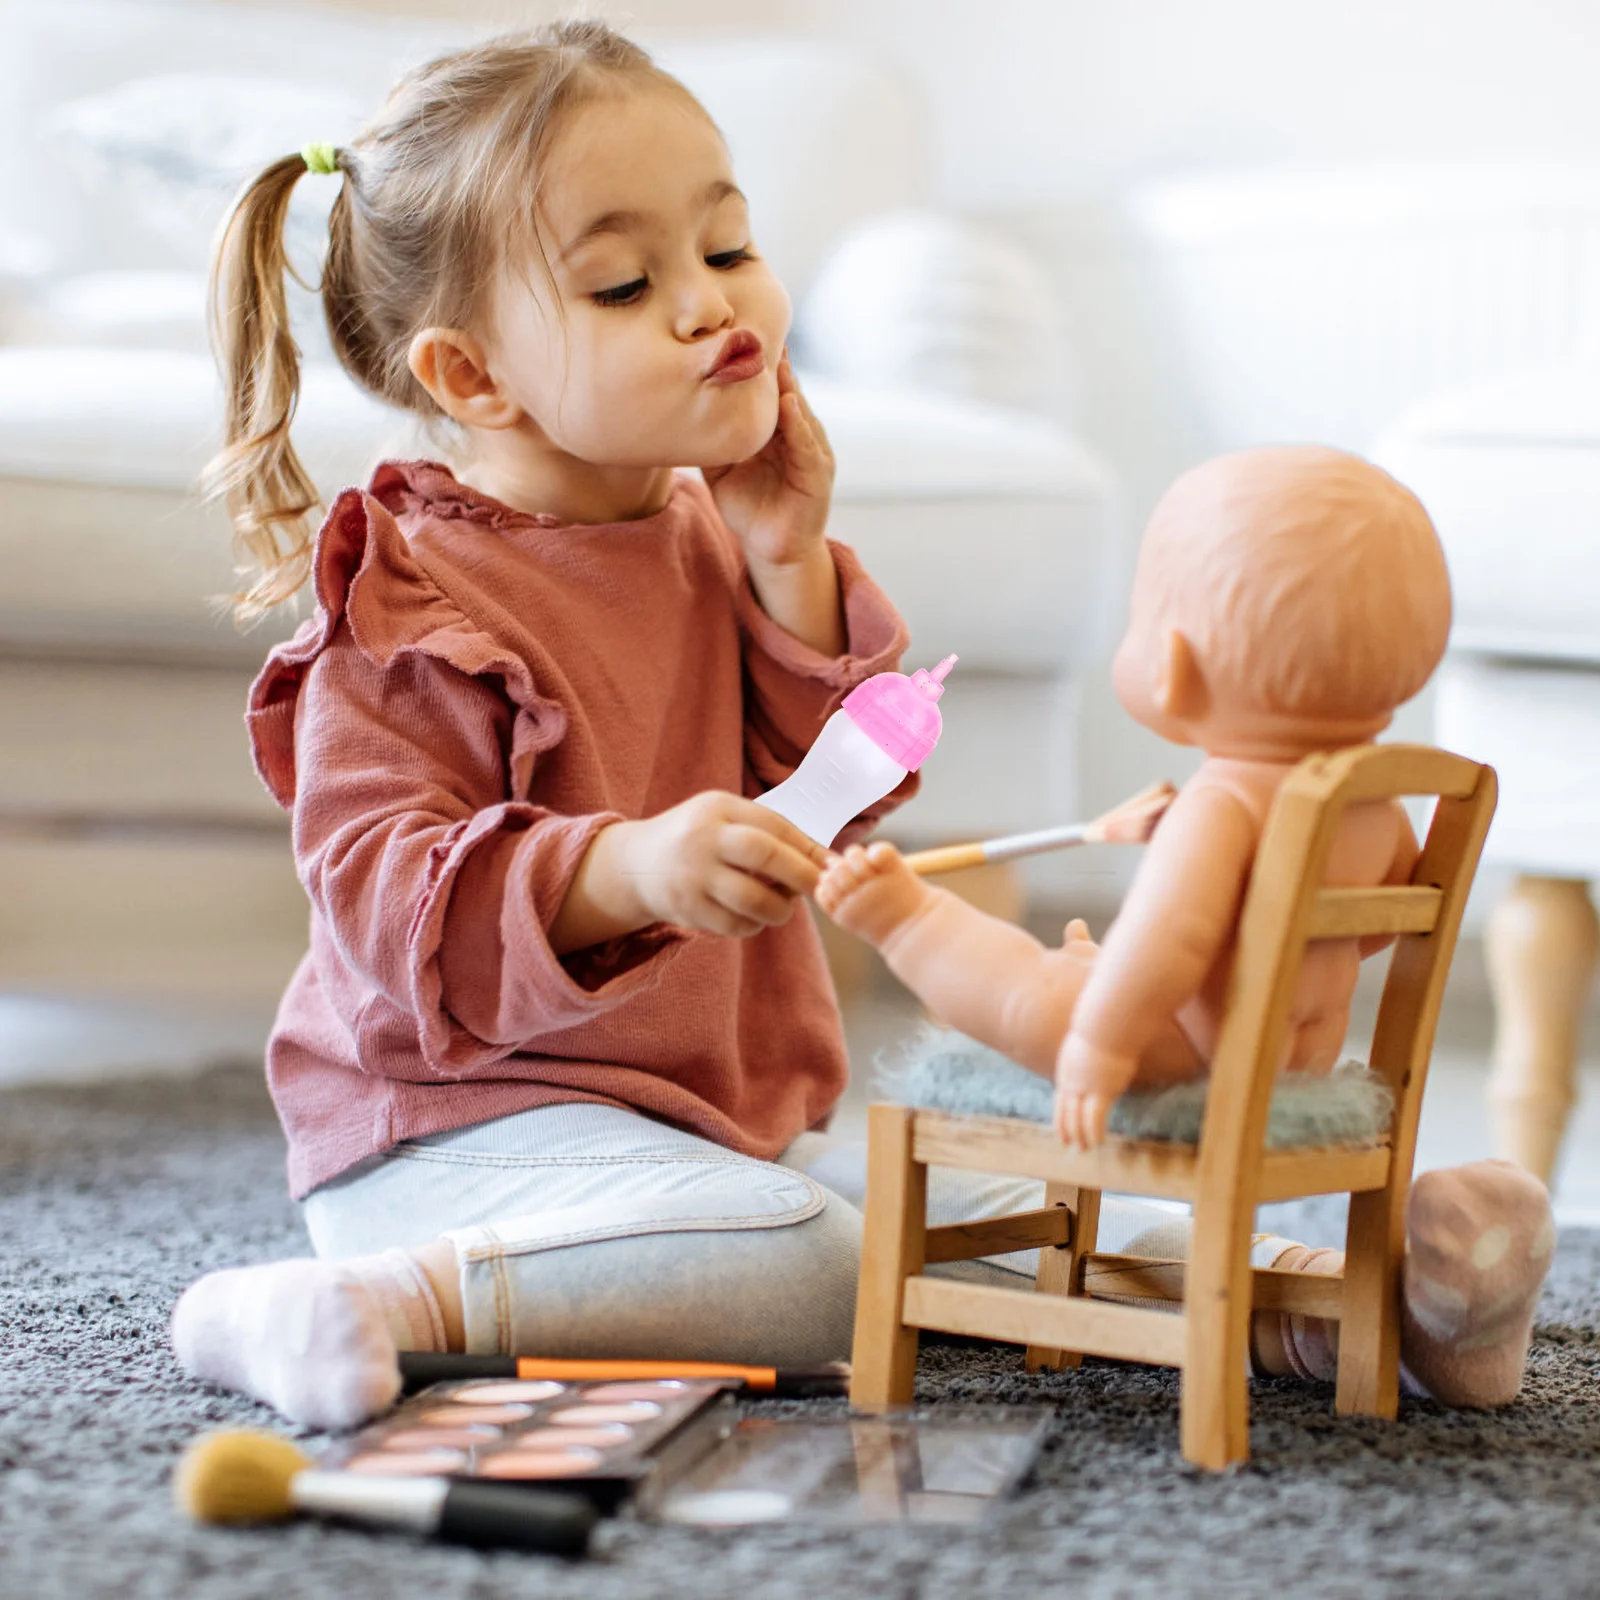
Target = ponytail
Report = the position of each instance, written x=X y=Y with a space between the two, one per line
x=257 y=474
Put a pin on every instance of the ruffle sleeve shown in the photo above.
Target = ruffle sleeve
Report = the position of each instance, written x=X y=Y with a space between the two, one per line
x=364 y=574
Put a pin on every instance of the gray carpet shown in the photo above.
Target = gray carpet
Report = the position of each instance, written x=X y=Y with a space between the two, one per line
x=112 y=1198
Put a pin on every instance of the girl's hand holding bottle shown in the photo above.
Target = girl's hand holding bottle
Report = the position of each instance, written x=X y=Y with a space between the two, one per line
x=716 y=862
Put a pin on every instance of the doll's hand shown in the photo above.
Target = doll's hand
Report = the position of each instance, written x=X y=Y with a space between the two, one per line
x=871 y=892
x=777 y=500
x=1088 y=1080
x=720 y=863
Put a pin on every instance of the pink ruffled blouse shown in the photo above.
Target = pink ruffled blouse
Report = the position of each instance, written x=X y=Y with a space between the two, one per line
x=478 y=694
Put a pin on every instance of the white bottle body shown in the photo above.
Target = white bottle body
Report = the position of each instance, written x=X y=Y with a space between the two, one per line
x=843 y=773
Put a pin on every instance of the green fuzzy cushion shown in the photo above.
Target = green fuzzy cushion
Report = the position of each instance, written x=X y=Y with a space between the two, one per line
x=946 y=1071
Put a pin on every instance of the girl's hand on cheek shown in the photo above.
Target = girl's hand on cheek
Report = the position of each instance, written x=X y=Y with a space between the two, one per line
x=720 y=863
x=777 y=500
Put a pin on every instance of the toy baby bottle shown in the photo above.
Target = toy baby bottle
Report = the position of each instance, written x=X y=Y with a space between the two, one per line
x=886 y=728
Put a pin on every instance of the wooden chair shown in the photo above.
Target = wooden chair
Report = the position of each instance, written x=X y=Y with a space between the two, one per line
x=1228 y=1173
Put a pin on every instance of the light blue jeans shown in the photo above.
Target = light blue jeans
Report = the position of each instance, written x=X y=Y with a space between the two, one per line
x=584 y=1230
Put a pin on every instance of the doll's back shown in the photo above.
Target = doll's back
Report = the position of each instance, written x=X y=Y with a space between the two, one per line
x=1373 y=844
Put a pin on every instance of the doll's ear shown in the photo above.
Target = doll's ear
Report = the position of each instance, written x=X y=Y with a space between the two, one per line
x=1180 y=688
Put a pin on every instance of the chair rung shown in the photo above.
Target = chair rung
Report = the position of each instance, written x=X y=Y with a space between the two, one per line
x=1022 y=1230
x=1139 y=1277
x=1057 y=1322
x=1360 y=913
x=1335 y=1169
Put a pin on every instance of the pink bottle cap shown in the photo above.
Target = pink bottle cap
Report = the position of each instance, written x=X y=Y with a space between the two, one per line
x=899 y=714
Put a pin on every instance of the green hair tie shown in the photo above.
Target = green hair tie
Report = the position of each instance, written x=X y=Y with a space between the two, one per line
x=321 y=158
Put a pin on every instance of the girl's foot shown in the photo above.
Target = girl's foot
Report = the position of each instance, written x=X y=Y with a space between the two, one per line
x=317 y=1341
x=871 y=892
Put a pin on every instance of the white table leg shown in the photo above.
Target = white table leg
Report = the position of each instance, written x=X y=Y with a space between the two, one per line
x=1542 y=943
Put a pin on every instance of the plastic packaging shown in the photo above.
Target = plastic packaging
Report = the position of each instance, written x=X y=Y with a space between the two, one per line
x=936 y=1465
x=887 y=727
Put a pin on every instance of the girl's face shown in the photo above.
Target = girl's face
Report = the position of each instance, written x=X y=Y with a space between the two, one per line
x=654 y=338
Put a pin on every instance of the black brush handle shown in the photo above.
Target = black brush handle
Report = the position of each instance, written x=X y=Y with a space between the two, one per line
x=810 y=1383
x=419 y=1368
x=501 y=1516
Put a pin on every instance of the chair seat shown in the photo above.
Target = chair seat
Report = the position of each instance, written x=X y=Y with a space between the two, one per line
x=1510 y=473
x=942 y=1069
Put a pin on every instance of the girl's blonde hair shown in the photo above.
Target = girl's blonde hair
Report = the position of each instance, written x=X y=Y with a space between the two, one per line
x=433 y=193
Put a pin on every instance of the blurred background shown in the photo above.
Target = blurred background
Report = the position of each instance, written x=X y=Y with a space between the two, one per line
x=1045 y=254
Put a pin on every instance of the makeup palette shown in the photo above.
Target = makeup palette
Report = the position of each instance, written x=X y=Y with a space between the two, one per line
x=598 y=1439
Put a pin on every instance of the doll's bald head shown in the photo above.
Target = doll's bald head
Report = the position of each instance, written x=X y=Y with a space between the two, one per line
x=1284 y=596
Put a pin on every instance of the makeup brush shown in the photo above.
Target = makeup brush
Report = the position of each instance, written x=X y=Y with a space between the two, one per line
x=1132 y=822
x=237 y=1475
x=419 y=1368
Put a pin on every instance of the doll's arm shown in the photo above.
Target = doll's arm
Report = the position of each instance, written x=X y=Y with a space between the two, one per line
x=1399 y=873
x=988 y=978
x=1177 y=920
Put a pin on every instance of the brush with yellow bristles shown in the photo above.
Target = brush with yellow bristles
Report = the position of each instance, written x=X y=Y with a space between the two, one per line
x=1132 y=822
x=240 y=1476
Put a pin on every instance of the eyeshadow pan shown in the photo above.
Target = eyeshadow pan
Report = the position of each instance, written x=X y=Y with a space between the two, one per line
x=420 y=1464
x=538 y=1463
x=618 y=1411
x=491 y=1393
x=657 y=1389
x=603 y=1436
x=437 y=1438
x=457 y=1416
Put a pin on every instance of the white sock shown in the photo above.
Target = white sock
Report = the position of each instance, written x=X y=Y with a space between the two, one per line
x=406 y=1298
x=316 y=1340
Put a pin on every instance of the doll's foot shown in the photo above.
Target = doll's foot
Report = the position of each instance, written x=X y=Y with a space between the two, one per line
x=1478 y=1244
x=871 y=892
x=1088 y=1081
x=1283 y=1345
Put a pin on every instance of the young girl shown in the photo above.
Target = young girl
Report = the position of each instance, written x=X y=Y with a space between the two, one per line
x=554 y=1070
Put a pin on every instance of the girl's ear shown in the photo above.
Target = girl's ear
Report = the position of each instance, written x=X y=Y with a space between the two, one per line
x=1180 y=688
x=454 y=368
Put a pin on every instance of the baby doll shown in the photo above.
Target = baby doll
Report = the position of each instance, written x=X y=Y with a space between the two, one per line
x=1286 y=601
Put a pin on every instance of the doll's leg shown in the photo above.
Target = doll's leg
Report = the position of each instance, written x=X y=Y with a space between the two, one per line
x=991 y=979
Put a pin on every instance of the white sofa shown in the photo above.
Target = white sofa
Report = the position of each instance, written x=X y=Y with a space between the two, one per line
x=137 y=851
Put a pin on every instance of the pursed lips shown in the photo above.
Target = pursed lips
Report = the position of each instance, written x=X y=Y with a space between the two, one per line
x=740 y=359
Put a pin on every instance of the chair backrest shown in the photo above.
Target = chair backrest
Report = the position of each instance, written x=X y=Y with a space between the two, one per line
x=1287 y=905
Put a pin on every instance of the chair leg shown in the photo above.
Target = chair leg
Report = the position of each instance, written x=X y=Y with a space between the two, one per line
x=1216 y=1364
x=1369 y=1313
x=1061 y=1266
x=893 y=1245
